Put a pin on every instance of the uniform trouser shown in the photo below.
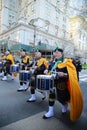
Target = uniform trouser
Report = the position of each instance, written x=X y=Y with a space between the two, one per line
x=2 y=69
x=7 y=70
x=78 y=75
x=21 y=83
x=52 y=97
x=32 y=84
x=62 y=94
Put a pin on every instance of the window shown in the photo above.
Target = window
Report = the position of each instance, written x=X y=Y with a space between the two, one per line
x=47 y=17
x=56 y=31
x=48 y=8
x=25 y=13
x=33 y=16
x=57 y=22
x=64 y=19
x=63 y=27
x=57 y=15
x=33 y=7
x=48 y=0
x=80 y=35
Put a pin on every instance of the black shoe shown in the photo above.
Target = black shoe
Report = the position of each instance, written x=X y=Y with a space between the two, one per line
x=43 y=98
x=26 y=89
x=45 y=117
x=63 y=113
x=21 y=90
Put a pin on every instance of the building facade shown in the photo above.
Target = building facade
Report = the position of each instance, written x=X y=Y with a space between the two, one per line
x=42 y=23
x=8 y=14
x=78 y=34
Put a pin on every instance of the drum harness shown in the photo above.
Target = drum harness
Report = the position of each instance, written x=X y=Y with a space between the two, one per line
x=55 y=65
x=54 y=72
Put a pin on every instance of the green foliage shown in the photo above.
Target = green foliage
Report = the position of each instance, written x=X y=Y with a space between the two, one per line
x=84 y=66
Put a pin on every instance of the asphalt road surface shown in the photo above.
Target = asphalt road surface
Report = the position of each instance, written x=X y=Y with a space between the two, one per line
x=13 y=107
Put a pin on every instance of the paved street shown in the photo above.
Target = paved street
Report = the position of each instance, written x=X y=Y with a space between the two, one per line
x=17 y=114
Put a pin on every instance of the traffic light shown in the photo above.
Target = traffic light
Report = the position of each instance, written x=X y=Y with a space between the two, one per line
x=39 y=43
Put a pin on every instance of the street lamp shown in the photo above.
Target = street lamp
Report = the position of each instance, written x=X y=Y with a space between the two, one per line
x=35 y=27
x=34 y=34
x=32 y=23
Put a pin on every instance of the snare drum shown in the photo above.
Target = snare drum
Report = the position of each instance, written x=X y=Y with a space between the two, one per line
x=24 y=76
x=44 y=82
x=1 y=65
x=14 y=68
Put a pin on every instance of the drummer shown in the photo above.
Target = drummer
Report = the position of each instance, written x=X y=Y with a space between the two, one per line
x=58 y=58
x=8 y=62
x=63 y=71
x=24 y=62
x=38 y=67
x=2 y=60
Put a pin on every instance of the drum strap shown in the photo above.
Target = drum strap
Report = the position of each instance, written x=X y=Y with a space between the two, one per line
x=55 y=65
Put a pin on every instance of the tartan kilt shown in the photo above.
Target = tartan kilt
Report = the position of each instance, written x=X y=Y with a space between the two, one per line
x=62 y=93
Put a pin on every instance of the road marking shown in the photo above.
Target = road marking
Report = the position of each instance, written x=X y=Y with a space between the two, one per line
x=82 y=76
x=83 y=79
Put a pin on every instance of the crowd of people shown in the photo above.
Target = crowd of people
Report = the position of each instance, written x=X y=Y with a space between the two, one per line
x=59 y=78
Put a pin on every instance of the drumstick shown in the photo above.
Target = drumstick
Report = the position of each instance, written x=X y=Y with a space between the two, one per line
x=57 y=73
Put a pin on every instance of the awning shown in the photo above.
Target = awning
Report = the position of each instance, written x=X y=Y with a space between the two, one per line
x=17 y=47
x=45 y=47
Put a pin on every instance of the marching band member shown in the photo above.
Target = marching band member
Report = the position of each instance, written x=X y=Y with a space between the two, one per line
x=24 y=62
x=78 y=66
x=3 y=57
x=38 y=66
x=8 y=62
x=67 y=87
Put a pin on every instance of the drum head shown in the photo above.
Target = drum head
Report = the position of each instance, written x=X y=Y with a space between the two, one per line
x=44 y=76
x=24 y=71
x=14 y=65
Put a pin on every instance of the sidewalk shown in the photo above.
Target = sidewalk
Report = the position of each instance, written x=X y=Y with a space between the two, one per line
x=36 y=123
